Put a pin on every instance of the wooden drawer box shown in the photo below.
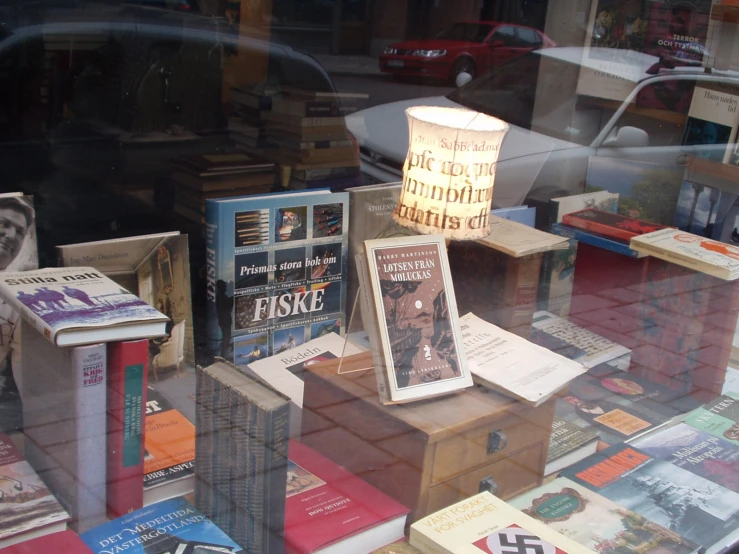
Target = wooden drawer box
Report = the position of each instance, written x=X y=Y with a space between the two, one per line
x=425 y=454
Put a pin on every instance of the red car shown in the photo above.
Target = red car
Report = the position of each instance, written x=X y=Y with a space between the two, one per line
x=470 y=46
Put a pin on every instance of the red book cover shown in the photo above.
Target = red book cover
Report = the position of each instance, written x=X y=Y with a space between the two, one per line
x=63 y=542
x=327 y=504
x=610 y=224
x=127 y=369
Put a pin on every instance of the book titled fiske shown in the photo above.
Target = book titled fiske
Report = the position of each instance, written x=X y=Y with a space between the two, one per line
x=79 y=305
x=27 y=507
x=171 y=526
x=277 y=270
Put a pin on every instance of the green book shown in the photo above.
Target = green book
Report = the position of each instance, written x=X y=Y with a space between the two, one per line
x=719 y=417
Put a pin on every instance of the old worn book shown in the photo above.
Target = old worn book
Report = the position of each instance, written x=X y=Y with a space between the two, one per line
x=484 y=523
x=668 y=495
x=410 y=309
x=610 y=224
x=217 y=164
x=241 y=456
x=302 y=121
x=79 y=305
x=517 y=240
x=569 y=443
x=28 y=509
x=512 y=365
x=597 y=522
x=692 y=251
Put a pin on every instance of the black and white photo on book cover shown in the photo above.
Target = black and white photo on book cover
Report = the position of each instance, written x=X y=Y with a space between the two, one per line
x=417 y=314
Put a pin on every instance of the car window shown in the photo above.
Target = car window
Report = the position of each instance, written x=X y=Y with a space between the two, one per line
x=528 y=38
x=505 y=33
x=475 y=32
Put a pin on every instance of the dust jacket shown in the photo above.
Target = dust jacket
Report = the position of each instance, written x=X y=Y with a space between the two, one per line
x=417 y=327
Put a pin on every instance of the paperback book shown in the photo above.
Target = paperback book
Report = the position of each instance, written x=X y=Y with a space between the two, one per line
x=712 y=123
x=596 y=522
x=170 y=526
x=79 y=305
x=569 y=443
x=720 y=418
x=277 y=271
x=599 y=200
x=410 y=311
x=698 y=509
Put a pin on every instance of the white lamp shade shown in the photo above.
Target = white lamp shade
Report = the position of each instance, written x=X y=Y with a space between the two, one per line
x=449 y=173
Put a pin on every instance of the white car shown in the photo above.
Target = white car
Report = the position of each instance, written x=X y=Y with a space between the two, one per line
x=563 y=106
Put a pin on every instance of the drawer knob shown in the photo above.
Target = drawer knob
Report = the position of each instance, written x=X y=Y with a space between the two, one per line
x=497 y=441
x=488 y=485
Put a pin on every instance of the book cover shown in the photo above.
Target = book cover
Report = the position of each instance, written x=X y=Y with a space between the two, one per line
x=599 y=200
x=126 y=389
x=521 y=214
x=79 y=305
x=64 y=413
x=698 y=209
x=712 y=123
x=416 y=313
x=668 y=495
x=517 y=240
x=241 y=453
x=691 y=251
x=699 y=452
x=719 y=417
x=596 y=522
x=597 y=240
x=169 y=526
x=511 y=364
x=18 y=252
x=169 y=440
x=485 y=523
x=609 y=224
x=399 y=547
x=647 y=191
x=27 y=507
x=327 y=505
x=284 y=371
x=568 y=436
x=598 y=349
x=277 y=271
x=155 y=267
x=63 y=542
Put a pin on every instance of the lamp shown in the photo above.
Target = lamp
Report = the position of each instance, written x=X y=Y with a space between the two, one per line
x=449 y=173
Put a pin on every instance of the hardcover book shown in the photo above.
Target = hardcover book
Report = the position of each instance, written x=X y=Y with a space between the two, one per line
x=569 y=443
x=27 y=507
x=485 y=523
x=329 y=509
x=720 y=418
x=64 y=413
x=668 y=495
x=692 y=251
x=712 y=123
x=241 y=456
x=699 y=452
x=609 y=224
x=512 y=365
x=63 y=542
x=700 y=209
x=171 y=526
x=277 y=269
x=284 y=371
x=596 y=239
x=412 y=315
x=599 y=200
x=79 y=305
x=155 y=267
x=596 y=522
x=169 y=463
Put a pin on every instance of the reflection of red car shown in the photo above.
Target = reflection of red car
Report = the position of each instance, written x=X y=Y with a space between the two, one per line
x=470 y=46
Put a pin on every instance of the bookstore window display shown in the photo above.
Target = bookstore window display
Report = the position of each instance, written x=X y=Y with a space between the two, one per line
x=255 y=354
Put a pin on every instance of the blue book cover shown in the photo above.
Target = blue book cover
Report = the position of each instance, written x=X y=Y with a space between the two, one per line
x=697 y=451
x=169 y=526
x=521 y=214
x=594 y=239
x=277 y=267
x=696 y=508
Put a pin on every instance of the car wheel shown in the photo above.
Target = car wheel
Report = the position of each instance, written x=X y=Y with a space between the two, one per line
x=462 y=65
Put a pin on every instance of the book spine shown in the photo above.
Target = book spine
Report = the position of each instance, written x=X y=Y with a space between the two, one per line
x=597 y=227
x=527 y=283
x=680 y=259
x=126 y=391
x=213 y=333
x=588 y=238
x=276 y=441
x=90 y=368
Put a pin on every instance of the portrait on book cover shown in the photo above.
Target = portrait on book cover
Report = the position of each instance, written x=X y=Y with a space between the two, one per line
x=300 y=480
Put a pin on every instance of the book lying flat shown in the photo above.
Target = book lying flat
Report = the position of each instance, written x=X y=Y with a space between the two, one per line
x=517 y=239
x=610 y=224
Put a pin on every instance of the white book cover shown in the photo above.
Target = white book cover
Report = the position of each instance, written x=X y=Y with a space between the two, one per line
x=79 y=305
x=64 y=422
x=713 y=119
x=517 y=239
x=284 y=370
x=688 y=250
x=598 y=349
x=512 y=365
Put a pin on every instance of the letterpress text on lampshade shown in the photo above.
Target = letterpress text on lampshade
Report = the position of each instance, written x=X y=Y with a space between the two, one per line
x=449 y=173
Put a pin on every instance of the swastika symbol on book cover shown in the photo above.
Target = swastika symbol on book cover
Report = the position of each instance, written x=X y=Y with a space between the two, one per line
x=515 y=540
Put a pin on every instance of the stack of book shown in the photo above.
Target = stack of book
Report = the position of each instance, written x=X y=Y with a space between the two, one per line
x=245 y=124
x=200 y=177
